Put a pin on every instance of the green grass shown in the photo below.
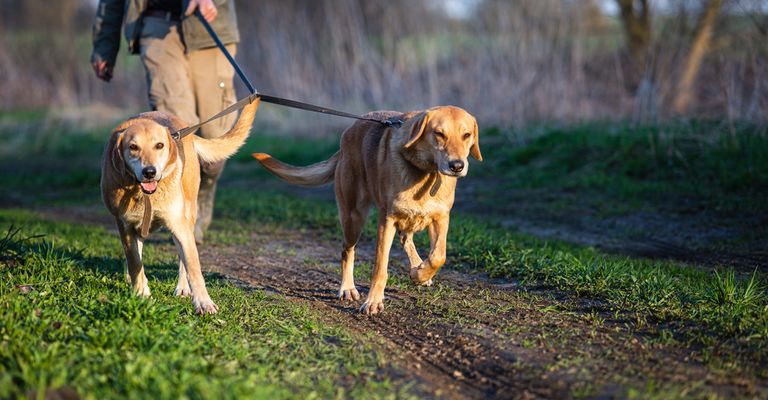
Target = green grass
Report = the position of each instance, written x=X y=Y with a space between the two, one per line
x=68 y=319
x=291 y=149
x=711 y=165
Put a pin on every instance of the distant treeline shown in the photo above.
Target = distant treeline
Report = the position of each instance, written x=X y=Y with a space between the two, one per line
x=508 y=62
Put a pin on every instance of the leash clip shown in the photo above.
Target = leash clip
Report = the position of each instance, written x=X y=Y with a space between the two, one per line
x=392 y=122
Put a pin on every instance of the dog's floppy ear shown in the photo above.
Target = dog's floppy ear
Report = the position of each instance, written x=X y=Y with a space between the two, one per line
x=417 y=129
x=475 y=149
x=118 y=162
x=173 y=149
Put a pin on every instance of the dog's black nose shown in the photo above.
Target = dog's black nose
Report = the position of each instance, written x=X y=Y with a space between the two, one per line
x=456 y=165
x=150 y=172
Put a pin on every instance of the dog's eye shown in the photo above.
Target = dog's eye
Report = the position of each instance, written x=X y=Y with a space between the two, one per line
x=159 y=146
x=133 y=147
x=440 y=135
x=467 y=135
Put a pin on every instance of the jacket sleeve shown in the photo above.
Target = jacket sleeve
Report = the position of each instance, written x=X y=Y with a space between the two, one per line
x=106 y=30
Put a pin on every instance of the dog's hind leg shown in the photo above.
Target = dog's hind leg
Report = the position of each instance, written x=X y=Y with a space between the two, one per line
x=133 y=246
x=182 y=288
x=354 y=206
x=352 y=222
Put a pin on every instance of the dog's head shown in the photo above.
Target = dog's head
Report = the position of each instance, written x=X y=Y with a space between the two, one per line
x=145 y=151
x=443 y=137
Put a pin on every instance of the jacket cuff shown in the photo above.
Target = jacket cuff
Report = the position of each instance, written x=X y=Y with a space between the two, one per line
x=100 y=56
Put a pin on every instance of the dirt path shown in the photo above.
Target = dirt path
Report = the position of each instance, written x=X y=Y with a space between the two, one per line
x=469 y=337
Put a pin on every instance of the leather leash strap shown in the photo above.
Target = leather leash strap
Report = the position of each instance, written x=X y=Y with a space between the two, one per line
x=146 y=220
x=181 y=133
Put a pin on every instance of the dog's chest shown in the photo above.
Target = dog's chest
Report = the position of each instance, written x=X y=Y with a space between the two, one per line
x=164 y=208
x=412 y=216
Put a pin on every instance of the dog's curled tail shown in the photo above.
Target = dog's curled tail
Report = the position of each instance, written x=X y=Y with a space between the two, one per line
x=312 y=175
x=220 y=148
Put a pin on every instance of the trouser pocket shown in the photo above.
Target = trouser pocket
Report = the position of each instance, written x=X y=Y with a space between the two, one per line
x=225 y=73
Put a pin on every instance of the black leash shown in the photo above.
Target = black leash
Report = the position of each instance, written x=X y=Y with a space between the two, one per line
x=265 y=98
x=234 y=107
x=224 y=50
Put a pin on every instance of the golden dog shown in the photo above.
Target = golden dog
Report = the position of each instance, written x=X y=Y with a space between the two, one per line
x=410 y=174
x=142 y=159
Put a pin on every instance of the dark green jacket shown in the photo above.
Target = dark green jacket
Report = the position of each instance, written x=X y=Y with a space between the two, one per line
x=111 y=15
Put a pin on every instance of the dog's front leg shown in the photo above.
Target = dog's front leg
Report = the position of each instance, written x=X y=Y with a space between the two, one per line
x=438 y=235
x=133 y=246
x=374 y=304
x=184 y=239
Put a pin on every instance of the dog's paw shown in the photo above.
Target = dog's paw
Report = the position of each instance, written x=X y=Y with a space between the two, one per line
x=182 y=291
x=142 y=290
x=372 y=306
x=421 y=276
x=205 y=306
x=348 y=294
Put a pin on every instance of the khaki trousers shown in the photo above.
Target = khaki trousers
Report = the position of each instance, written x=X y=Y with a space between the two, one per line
x=194 y=86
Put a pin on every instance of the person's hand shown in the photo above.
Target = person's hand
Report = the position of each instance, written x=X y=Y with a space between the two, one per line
x=102 y=69
x=207 y=8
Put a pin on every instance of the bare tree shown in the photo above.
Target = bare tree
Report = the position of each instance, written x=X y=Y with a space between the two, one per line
x=699 y=48
x=636 y=18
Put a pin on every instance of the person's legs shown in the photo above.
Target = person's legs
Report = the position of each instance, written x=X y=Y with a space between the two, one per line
x=169 y=81
x=214 y=90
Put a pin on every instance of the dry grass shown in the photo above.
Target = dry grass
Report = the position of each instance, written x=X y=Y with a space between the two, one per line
x=509 y=63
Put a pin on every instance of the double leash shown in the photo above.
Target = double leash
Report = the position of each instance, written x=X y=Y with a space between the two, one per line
x=394 y=122
x=181 y=133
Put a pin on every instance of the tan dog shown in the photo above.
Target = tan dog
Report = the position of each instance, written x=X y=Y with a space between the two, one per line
x=409 y=173
x=142 y=158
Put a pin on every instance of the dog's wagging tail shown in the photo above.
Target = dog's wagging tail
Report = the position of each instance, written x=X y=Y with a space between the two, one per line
x=312 y=175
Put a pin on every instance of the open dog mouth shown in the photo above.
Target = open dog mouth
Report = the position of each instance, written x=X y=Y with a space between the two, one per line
x=148 y=187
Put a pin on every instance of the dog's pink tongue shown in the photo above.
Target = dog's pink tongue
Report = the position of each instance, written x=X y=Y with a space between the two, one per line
x=149 y=186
